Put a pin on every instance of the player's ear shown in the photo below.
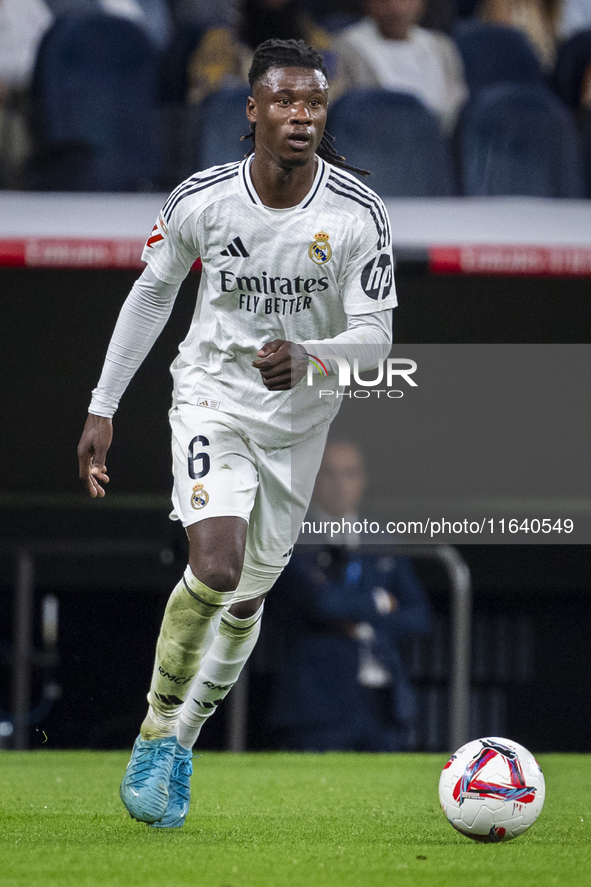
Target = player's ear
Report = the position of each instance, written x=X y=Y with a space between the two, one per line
x=251 y=110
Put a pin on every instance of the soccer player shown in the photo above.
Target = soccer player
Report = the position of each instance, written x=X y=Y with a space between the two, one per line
x=296 y=255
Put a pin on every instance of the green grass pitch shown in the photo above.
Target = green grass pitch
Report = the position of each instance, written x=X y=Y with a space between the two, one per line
x=268 y=820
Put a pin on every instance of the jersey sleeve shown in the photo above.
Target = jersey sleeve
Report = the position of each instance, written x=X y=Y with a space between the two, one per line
x=367 y=284
x=141 y=320
x=172 y=247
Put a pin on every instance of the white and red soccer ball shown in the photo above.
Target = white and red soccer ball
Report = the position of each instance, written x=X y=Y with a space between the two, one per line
x=492 y=790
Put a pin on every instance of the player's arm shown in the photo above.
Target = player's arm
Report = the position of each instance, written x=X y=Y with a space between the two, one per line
x=368 y=338
x=142 y=318
x=169 y=253
x=366 y=285
x=368 y=296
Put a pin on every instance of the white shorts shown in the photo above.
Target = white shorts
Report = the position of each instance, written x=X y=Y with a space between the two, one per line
x=219 y=472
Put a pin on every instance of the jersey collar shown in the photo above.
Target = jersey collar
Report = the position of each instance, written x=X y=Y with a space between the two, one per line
x=249 y=191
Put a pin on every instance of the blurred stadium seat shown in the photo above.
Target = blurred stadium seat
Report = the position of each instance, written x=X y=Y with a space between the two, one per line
x=174 y=80
x=586 y=134
x=216 y=126
x=495 y=54
x=395 y=137
x=519 y=140
x=63 y=166
x=338 y=21
x=96 y=84
x=574 y=57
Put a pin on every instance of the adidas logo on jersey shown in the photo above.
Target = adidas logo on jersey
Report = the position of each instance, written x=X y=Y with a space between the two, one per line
x=236 y=248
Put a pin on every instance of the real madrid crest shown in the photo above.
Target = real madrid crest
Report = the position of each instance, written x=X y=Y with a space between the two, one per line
x=320 y=250
x=199 y=497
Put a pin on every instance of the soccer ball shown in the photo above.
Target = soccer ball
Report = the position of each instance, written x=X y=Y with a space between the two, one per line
x=492 y=790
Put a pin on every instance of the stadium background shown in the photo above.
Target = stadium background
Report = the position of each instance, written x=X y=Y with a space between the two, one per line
x=532 y=605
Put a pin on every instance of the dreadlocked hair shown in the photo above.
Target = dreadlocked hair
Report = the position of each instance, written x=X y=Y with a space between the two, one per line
x=294 y=54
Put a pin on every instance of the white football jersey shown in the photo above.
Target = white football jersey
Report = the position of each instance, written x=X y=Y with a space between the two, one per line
x=269 y=274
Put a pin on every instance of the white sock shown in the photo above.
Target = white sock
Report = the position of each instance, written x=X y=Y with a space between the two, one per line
x=184 y=635
x=219 y=671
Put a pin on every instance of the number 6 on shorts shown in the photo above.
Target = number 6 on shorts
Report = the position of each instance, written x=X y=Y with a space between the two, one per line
x=196 y=457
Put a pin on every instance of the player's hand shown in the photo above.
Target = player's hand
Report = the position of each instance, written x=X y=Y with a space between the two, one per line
x=281 y=364
x=92 y=452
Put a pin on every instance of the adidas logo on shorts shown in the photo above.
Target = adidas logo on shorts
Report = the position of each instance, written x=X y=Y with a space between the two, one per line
x=208 y=402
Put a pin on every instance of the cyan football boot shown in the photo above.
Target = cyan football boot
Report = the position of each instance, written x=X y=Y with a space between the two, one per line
x=179 y=790
x=144 y=790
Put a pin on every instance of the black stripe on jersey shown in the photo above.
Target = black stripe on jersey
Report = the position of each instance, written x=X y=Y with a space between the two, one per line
x=245 y=180
x=202 y=187
x=361 y=190
x=367 y=206
x=198 y=177
x=320 y=178
x=369 y=200
x=192 y=187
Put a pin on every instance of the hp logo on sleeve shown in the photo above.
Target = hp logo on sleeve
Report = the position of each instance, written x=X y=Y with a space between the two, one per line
x=376 y=277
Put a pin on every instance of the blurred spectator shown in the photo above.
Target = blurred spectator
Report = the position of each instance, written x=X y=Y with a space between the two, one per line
x=575 y=16
x=571 y=78
x=346 y=610
x=224 y=55
x=151 y=15
x=538 y=19
x=439 y=15
x=22 y=25
x=586 y=87
x=388 y=49
x=203 y=13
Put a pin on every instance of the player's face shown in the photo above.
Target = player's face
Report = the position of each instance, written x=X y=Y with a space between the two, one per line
x=289 y=108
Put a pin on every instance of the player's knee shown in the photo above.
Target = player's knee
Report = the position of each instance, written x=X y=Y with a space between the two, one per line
x=218 y=576
x=245 y=609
